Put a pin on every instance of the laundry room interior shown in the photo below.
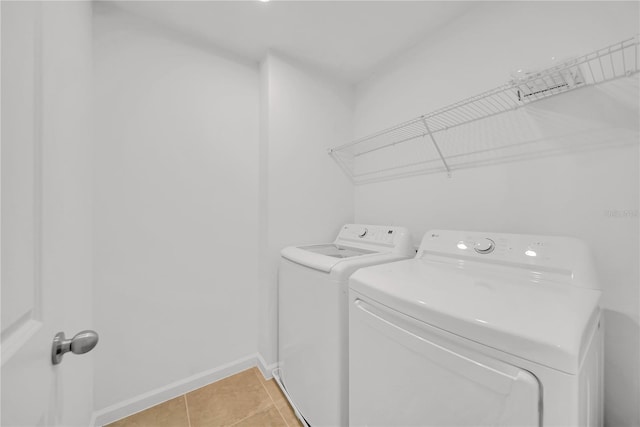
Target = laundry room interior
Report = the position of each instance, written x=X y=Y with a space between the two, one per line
x=168 y=167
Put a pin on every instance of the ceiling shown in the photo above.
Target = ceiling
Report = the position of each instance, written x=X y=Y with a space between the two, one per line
x=348 y=39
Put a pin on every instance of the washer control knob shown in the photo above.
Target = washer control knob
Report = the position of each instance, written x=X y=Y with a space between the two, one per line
x=363 y=232
x=484 y=246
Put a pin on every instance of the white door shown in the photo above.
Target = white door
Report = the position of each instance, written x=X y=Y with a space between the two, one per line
x=405 y=373
x=46 y=210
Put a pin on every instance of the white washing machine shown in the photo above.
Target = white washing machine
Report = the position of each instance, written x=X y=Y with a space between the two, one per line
x=478 y=329
x=313 y=315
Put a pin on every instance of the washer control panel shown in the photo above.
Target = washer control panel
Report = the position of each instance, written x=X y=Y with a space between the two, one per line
x=375 y=234
x=377 y=238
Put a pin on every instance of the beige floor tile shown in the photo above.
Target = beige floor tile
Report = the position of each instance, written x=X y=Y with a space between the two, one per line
x=272 y=388
x=289 y=416
x=274 y=391
x=259 y=374
x=281 y=402
x=267 y=418
x=228 y=401
x=172 y=413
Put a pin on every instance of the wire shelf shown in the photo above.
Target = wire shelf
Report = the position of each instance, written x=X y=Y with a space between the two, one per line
x=609 y=63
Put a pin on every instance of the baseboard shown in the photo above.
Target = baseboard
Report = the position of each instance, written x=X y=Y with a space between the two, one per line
x=267 y=370
x=178 y=388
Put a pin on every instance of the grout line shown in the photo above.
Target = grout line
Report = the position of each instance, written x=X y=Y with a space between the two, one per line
x=281 y=416
x=186 y=404
x=258 y=373
x=240 y=420
x=272 y=399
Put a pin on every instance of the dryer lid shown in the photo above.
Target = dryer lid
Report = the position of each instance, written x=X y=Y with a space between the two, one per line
x=546 y=322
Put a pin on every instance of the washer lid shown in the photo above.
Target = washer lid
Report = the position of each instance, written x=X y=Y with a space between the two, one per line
x=322 y=257
x=357 y=245
x=509 y=309
x=336 y=251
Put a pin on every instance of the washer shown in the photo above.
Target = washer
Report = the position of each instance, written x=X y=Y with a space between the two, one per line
x=313 y=314
x=478 y=329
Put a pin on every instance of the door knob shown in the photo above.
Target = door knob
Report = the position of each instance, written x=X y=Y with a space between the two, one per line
x=81 y=343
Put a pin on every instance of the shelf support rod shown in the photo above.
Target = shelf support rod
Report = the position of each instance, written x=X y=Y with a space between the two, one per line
x=435 y=144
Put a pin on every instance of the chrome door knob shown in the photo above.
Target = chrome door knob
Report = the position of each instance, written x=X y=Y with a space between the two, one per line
x=81 y=343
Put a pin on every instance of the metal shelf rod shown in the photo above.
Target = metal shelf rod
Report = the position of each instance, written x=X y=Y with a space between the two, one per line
x=435 y=144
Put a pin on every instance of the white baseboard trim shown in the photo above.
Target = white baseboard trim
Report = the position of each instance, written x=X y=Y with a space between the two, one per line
x=178 y=388
x=267 y=370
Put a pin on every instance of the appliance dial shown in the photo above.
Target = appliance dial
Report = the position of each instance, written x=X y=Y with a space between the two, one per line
x=363 y=232
x=484 y=246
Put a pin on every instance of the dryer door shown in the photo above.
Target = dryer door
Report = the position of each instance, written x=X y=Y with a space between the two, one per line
x=405 y=372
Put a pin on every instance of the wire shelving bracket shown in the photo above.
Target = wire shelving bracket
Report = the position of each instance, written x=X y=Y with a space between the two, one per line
x=606 y=64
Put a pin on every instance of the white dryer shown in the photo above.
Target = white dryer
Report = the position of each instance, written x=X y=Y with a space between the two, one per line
x=313 y=314
x=478 y=329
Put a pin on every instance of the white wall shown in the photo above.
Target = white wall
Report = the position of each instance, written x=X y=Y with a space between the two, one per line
x=566 y=185
x=305 y=197
x=176 y=200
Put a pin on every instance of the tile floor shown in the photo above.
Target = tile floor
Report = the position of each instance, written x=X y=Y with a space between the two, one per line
x=244 y=399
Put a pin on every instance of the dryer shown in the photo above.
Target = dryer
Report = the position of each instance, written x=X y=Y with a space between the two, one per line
x=478 y=329
x=313 y=314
